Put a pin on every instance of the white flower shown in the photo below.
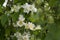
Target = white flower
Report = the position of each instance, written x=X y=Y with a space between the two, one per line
x=21 y=18
x=15 y=25
x=5 y=3
x=26 y=36
x=38 y=27
x=27 y=8
x=26 y=26
x=20 y=23
x=31 y=26
x=17 y=34
x=15 y=8
x=32 y=8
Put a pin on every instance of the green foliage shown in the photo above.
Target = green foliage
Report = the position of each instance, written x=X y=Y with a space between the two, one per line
x=4 y=19
x=47 y=15
x=15 y=17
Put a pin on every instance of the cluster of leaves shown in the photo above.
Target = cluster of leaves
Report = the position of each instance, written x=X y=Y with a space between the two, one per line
x=49 y=19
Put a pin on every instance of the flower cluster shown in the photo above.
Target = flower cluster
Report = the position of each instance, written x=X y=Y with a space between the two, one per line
x=27 y=8
x=18 y=35
x=15 y=8
x=32 y=26
x=22 y=22
x=24 y=36
x=29 y=25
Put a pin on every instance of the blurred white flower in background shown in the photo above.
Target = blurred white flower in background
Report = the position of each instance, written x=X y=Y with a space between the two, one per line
x=46 y=6
x=26 y=36
x=15 y=25
x=26 y=26
x=15 y=8
x=18 y=35
x=21 y=18
x=5 y=3
x=27 y=8
x=38 y=27
x=32 y=8
x=20 y=22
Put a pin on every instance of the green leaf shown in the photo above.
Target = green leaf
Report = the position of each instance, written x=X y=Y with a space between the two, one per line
x=54 y=32
x=0 y=9
x=4 y=19
x=1 y=2
x=20 y=1
x=34 y=18
x=53 y=3
x=15 y=17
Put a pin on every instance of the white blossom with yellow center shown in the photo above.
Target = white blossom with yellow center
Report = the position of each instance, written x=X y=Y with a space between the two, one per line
x=20 y=22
